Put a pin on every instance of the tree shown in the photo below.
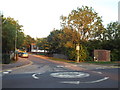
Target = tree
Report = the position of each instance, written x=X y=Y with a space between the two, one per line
x=86 y=21
x=20 y=39
x=111 y=40
x=88 y=25
x=27 y=42
x=54 y=40
x=112 y=31
x=9 y=29
x=42 y=43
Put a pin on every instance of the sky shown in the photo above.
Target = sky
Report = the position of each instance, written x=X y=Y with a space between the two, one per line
x=40 y=17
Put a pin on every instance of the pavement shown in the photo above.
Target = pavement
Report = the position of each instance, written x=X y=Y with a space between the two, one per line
x=21 y=62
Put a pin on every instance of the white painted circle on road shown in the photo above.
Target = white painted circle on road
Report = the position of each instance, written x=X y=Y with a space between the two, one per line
x=70 y=75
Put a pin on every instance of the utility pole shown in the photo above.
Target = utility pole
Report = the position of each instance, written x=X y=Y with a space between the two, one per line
x=15 y=42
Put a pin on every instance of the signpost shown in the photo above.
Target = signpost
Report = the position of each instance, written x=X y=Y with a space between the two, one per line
x=78 y=55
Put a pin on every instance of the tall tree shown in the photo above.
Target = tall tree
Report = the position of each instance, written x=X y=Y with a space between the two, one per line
x=113 y=31
x=112 y=40
x=9 y=29
x=86 y=21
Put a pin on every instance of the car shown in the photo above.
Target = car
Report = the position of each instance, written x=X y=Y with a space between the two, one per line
x=24 y=54
x=19 y=54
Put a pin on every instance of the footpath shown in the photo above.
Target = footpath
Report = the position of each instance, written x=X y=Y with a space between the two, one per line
x=21 y=62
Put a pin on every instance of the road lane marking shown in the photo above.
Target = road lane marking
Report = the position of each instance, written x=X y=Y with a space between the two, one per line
x=100 y=68
x=70 y=75
x=70 y=82
x=78 y=82
x=6 y=72
x=96 y=81
x=59 y=66
x=34 y=76
x=97 y=72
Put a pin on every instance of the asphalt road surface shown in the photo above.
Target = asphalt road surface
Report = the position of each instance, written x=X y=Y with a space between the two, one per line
x=45 y=73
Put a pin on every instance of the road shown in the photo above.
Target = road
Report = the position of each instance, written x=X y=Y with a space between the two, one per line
x=45 y=73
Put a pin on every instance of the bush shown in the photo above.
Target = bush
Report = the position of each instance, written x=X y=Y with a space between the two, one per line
x=115 y=55
x=6 y=58
x=89 y=58
x=71 y=53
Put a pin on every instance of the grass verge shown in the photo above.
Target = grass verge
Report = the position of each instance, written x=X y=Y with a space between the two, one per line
x=107 y=62
x=92 y=62
x=63 y=60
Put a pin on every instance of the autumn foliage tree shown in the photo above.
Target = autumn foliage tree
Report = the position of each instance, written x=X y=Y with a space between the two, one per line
x=85 y=21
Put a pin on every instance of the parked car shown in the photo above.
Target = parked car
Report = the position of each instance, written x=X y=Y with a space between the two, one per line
x=24 y=54
x=19 y=54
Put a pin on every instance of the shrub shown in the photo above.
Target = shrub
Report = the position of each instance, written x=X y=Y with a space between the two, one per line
x=6 y=58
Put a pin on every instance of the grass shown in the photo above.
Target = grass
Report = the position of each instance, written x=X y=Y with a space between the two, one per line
x=92 y=62
x=104 y=62
x=40 y=54
x=63 y=60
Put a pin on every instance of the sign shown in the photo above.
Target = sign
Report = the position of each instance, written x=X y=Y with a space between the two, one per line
x=77 y=47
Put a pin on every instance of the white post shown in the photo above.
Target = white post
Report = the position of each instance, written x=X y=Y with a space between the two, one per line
x=78 y=55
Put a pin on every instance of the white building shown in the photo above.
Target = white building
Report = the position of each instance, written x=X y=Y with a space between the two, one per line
x=34 y=48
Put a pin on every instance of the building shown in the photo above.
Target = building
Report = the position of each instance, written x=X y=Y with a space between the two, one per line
x=102 y=55
x=35 y=49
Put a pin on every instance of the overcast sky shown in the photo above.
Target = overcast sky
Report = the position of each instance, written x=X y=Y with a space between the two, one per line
x=40 y=17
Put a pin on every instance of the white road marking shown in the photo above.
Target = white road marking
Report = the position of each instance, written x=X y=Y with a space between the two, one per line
x=97 y=72
x=34 y=76
x=78 y=82
x=100 y=68
x=105 y=78
x=70 y=75
x=71 y=82
x=6 y=72
x=60 y=66
x=67 y=66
